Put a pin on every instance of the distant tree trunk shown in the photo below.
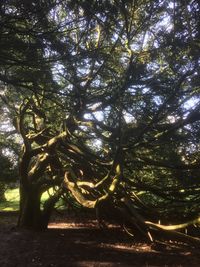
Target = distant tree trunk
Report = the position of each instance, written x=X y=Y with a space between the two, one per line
x=2 y=192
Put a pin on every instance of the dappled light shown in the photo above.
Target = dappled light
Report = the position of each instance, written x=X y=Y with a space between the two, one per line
x=100 y=130
x=76 y=241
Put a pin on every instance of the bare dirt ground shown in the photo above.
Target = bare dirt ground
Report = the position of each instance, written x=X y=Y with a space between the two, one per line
x=79 y=242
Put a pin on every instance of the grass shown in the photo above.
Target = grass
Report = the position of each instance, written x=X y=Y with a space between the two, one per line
x=12 y=200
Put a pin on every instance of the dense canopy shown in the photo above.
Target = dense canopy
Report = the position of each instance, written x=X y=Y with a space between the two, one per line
x=105 y=96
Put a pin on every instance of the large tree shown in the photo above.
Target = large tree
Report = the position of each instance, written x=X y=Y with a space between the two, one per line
x=110 y=108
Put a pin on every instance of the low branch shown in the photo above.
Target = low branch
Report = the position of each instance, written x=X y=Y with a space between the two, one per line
x=79 y=196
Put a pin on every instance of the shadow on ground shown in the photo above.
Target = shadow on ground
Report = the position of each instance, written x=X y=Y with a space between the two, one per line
x=83 y=244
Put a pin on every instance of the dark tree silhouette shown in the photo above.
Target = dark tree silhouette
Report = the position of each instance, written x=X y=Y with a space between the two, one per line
x=109 y=111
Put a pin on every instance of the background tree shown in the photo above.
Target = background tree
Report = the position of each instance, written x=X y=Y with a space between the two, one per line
x=9 y=150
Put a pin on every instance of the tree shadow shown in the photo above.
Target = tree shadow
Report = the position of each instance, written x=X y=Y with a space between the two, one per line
x=84 y=244
x=111 y=247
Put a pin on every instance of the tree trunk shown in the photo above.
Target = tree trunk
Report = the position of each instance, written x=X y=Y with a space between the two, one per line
x=30 y=215
x=2 y=192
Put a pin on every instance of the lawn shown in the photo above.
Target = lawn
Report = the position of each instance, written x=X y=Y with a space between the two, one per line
x=12 y=200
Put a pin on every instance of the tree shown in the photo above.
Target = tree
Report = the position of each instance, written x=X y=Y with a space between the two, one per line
x=8 y=175
x=8 y=151
x=114 y=108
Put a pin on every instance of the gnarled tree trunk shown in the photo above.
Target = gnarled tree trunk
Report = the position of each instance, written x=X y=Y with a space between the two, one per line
x=30 y=212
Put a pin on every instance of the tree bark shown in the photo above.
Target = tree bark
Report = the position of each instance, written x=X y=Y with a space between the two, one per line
x=2 y=192
x=30 y=216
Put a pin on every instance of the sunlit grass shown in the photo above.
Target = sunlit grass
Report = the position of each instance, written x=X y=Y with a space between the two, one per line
x=45 y=196
x=12 y=194
x=12 y=200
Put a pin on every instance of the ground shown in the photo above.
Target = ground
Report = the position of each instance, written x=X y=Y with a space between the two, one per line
x=78 y=241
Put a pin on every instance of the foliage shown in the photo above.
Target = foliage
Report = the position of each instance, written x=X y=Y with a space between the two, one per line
x=12 y=200
x=107 y=106
x=8 y=166
x=8 y=174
